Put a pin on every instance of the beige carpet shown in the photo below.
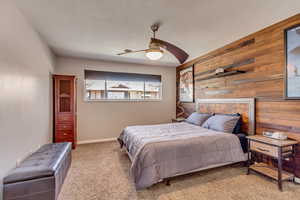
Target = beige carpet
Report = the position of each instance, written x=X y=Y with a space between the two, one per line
x=101 y=171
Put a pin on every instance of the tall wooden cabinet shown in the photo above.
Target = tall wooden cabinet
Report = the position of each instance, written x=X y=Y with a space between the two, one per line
x=65 y=109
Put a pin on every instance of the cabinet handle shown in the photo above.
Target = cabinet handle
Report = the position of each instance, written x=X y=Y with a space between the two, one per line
x=65 y=134
x=263 y=149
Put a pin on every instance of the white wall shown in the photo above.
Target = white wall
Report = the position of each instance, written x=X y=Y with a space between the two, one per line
x=25 y=86
x=100 y=120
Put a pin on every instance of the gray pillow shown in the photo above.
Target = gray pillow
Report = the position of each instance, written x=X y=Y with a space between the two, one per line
x=223 y=123
x=197 y=118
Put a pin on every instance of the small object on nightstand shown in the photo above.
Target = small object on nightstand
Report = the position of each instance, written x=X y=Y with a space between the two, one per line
x=179 y=119
x=275 y=135
x=274 y=148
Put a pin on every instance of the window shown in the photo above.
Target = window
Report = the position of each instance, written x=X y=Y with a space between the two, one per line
x=101 y=85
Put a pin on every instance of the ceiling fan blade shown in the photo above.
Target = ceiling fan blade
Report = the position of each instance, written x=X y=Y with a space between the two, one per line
x=127 y=51
x=180 y=54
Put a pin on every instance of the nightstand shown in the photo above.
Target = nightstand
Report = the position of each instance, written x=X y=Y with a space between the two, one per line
x=180 y=119
x=276 y=149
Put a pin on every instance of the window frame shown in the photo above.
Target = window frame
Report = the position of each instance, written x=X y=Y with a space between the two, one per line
x=85 y=99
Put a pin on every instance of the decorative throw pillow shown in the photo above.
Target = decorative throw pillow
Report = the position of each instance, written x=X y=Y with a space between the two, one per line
x=197 y=118
x=238 y=127
x=222 y=123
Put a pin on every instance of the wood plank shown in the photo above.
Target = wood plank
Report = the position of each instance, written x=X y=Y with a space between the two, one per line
x=270 y=171
x=240 y=45
x=279 y=127
x=259 y=79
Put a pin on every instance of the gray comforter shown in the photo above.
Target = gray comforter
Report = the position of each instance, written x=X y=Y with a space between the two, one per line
x=166 y=150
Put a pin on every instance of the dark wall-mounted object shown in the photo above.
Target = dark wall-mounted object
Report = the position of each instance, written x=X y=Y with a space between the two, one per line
x=292 y=62
x=186 y=85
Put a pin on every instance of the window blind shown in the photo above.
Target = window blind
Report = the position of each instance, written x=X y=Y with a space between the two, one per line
x=120 y=76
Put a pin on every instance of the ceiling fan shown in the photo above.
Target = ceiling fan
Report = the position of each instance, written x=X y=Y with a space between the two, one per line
x=155 y=52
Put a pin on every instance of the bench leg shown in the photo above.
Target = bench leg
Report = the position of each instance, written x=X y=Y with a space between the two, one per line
x=168 y=182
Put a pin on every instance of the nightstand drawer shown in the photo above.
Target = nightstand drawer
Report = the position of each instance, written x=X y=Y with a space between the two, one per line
x=268 y=149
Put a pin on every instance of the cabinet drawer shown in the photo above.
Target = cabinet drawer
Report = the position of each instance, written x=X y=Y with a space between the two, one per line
x=64 y=118
x=64 y=140
x=64 y=127
x=64 y=135
x=268 y=149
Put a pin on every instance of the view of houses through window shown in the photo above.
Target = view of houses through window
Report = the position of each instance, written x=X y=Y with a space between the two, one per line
x=121 y=86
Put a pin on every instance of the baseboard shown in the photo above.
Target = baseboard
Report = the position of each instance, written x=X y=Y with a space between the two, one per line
x=97 y=141
x=297 y=180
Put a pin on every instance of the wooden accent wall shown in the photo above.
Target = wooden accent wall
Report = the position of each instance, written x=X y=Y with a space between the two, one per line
x=262 y=55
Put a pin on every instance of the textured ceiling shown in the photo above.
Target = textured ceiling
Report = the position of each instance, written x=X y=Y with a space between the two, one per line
x=99 y=29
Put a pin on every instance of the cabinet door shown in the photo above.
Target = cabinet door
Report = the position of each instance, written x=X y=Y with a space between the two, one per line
x=65 y=96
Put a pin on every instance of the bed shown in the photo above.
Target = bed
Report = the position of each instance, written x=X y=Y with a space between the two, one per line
x=158 y=152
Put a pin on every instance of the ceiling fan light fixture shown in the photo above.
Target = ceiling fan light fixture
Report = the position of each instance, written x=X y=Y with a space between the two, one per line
x=154 y=51
x=154 y=54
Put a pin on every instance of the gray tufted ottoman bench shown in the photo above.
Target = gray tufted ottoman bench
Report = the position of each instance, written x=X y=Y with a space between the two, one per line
x=41 y=175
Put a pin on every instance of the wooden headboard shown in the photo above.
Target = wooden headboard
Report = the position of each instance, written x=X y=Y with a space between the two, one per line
x=244 y=106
